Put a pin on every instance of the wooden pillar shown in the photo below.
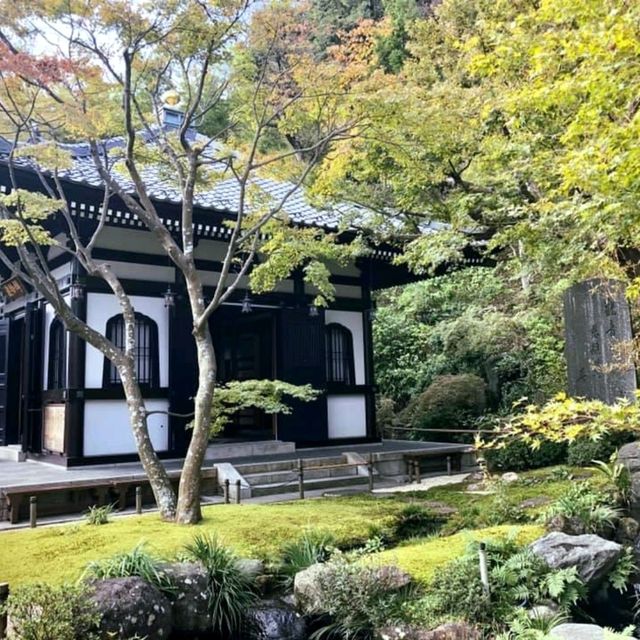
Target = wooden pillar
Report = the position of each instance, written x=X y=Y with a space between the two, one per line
x=74 y=394
x=182 y=370
x=367 y=322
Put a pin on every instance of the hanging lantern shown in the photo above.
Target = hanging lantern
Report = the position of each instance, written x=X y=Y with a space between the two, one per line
x=169 y=298
x=246 y=304
x=77 y=290
x=313 y=311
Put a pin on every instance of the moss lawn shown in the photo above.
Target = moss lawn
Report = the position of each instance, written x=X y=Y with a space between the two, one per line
x=57 y=554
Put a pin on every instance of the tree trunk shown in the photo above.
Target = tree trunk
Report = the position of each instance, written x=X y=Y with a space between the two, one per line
x=159 y=481
x=189 y=511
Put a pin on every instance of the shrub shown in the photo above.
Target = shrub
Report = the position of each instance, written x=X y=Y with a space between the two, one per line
x=99 y=515
x=358 y=601
x=583 y=509
x=231 y=590
x=137 y=562
x=583 y=451
x=297 y=555
x=413 y=521
x=386 y=414
x=449 y=402
x=44 y=612
x=516 y=455
x=466 y=392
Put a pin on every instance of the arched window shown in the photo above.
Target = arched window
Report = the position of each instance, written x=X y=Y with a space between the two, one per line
x=57 y=376
x=339 y=349
x=145 y=352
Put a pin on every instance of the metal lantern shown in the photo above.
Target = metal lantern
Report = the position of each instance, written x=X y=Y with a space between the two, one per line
x=169 y=298
x=246 y=304
x=77 y=290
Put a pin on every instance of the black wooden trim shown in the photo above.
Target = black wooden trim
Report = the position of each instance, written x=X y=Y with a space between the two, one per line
x=83 y=461
x=276 y=299
x=367 y=336
x=117 y=393
x=74 y=441
x=54 y=396
x=338 y=389
x=32 y=367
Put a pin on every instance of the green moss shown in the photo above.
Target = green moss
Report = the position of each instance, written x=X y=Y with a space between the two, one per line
x=59 y=554
x=423 y=558
x=532 y=484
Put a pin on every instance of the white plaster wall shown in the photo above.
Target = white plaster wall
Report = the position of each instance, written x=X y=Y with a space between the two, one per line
x=107 y=430
x=136 y=271
x=61 y=271
x=352 y=320
x=342 y=291
x=211 y=250
x=343 y=270
x=129 y=240
x=347 y=416
x=101 y=307
x=49 y=316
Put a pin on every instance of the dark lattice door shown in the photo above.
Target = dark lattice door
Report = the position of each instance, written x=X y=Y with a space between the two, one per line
x=302 y=361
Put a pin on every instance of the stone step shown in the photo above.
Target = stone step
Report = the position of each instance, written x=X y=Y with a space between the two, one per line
x=12 y=453
x=310 y=485
x=250 y=468
x=230 y=450
x=274 y=477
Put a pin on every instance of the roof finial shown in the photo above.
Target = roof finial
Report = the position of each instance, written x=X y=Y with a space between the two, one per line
x=171 y=98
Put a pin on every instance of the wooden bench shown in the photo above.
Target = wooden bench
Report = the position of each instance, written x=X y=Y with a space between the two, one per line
x=14 y=497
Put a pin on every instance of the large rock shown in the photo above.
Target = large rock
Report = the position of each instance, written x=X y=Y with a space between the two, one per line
x=274 y=620
x=131 y=607
x=577 y=632
x=190 y=600
x=593 y=556
x=251 y=567
x=309 y=590
x=627 y=531
x=448 y=631
x=629 y=456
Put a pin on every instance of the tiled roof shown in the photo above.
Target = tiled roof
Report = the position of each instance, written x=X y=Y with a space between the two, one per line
x=223 y=197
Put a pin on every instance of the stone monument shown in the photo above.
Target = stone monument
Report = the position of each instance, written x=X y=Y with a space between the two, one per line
x=598 y=339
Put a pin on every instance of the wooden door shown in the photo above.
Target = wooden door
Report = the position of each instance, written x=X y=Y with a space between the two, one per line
x=301 y=360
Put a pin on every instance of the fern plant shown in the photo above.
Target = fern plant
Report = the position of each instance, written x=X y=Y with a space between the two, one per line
x=618 y=479
x=620 y=576
x=587 y=507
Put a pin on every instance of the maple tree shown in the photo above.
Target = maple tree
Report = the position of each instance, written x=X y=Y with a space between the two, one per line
x=514 y=121
x=88 y=71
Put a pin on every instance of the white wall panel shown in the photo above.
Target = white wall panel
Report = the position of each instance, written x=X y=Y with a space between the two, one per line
x=107 y=430
x=136 y=271
x=347 y=416
x=101 y=307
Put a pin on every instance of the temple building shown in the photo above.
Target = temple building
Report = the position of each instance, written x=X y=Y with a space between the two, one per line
x=61 y=400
